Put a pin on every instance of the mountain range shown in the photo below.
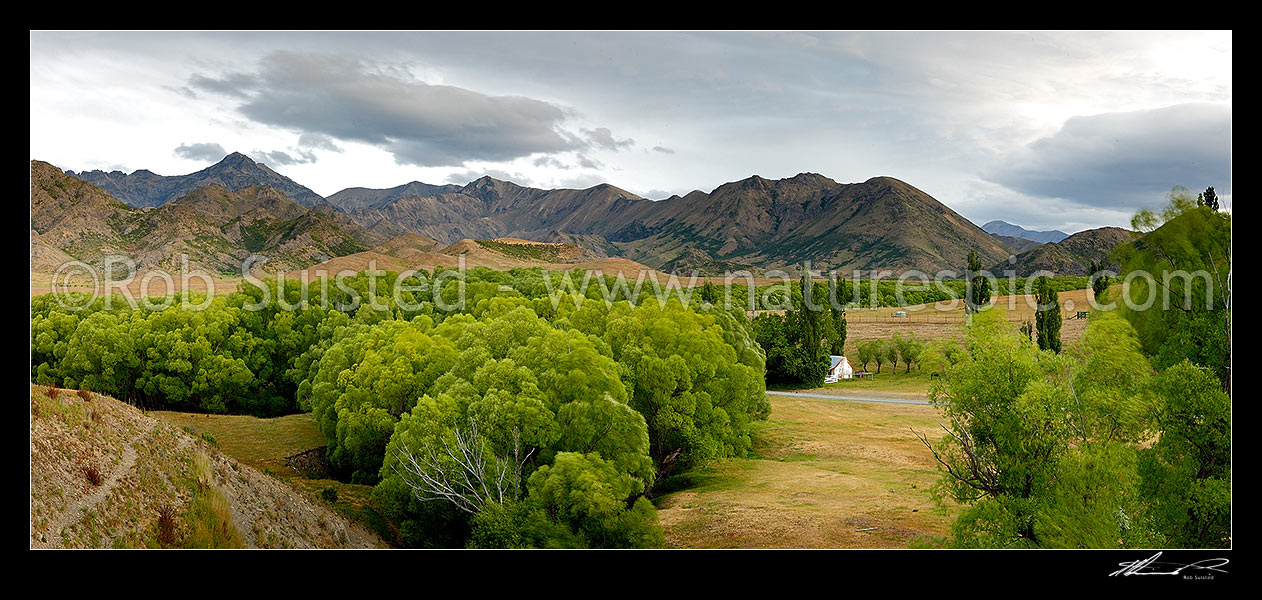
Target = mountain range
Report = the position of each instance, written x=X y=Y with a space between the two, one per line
x=238 y=207
x=145 y=189
x=1072 y=255
x=217 y=228
x=1008 y=229
x=882 y=223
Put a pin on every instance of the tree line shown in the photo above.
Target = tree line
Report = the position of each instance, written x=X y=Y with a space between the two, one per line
x=519 y=420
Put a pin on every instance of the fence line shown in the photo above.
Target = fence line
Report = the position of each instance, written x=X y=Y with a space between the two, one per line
x=852 y=317
x=927 y=318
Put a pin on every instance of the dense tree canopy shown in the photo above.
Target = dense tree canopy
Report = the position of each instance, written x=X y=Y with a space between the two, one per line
x=1055 y=450
x=1184 y=266
x=1041 y=447
x=572 y=404
x=517 y=397
x=798 y=343
x=1187 y=472
x=697 y=378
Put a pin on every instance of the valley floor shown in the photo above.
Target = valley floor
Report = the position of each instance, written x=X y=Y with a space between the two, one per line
x=823 y=474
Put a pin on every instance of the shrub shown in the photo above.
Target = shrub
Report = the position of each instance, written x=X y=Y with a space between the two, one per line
x=85 y=395
x=93 y=474
x=166 y=525
x=329 y=494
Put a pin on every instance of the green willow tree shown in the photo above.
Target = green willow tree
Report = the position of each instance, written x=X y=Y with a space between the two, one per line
x=865 y=352
x=698 y=378
x=879 y=352
x=890 y=349
x=909 y=349
x=1040 y=447
x=1187 y=473
x=1183 y=264
x=520 y=400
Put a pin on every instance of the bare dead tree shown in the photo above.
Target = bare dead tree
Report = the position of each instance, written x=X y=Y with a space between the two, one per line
x=456 y=470
x=977 y=473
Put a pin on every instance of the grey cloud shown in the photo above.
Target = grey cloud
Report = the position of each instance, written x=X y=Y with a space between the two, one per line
x=584 y=161
x=663 y=150
x=318 y=142
x=182 y=90
x=282 y=158
x=232 y=84
x=1124 y=161
x=603 y=137
x=580 y=182
x=656 y=194
x=209 y=152
x=421 y=124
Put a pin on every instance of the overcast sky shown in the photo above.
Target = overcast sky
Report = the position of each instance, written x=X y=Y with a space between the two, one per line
x=1047 y=130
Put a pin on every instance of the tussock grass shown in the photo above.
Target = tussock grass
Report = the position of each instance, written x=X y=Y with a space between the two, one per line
x=167 y=525
x=209 y=517
x=93 y=475
x=265 y=443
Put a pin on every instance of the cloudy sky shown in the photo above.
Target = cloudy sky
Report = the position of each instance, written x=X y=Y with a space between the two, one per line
x=1064 y=130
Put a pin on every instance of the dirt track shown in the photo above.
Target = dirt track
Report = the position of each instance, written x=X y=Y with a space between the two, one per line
x=75 y=512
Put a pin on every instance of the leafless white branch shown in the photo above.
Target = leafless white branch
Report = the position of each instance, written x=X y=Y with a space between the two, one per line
x=455 y=470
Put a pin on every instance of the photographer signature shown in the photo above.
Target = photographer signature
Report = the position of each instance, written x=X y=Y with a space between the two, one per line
x=1150 y=566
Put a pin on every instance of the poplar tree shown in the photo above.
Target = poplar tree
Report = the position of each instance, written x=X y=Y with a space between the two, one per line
x=1047 y=316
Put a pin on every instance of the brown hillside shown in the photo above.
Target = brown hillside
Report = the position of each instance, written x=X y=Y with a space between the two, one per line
x=142 y=465
x=1072 y=255
x=409 y=245
x=76 y=218
x=215 y=227
x=882 y=223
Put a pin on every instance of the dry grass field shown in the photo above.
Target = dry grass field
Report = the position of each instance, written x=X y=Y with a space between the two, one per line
x=260 y=443
x=886 y=384
x=824 y=474
x=945 y=320
x=138 y=287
